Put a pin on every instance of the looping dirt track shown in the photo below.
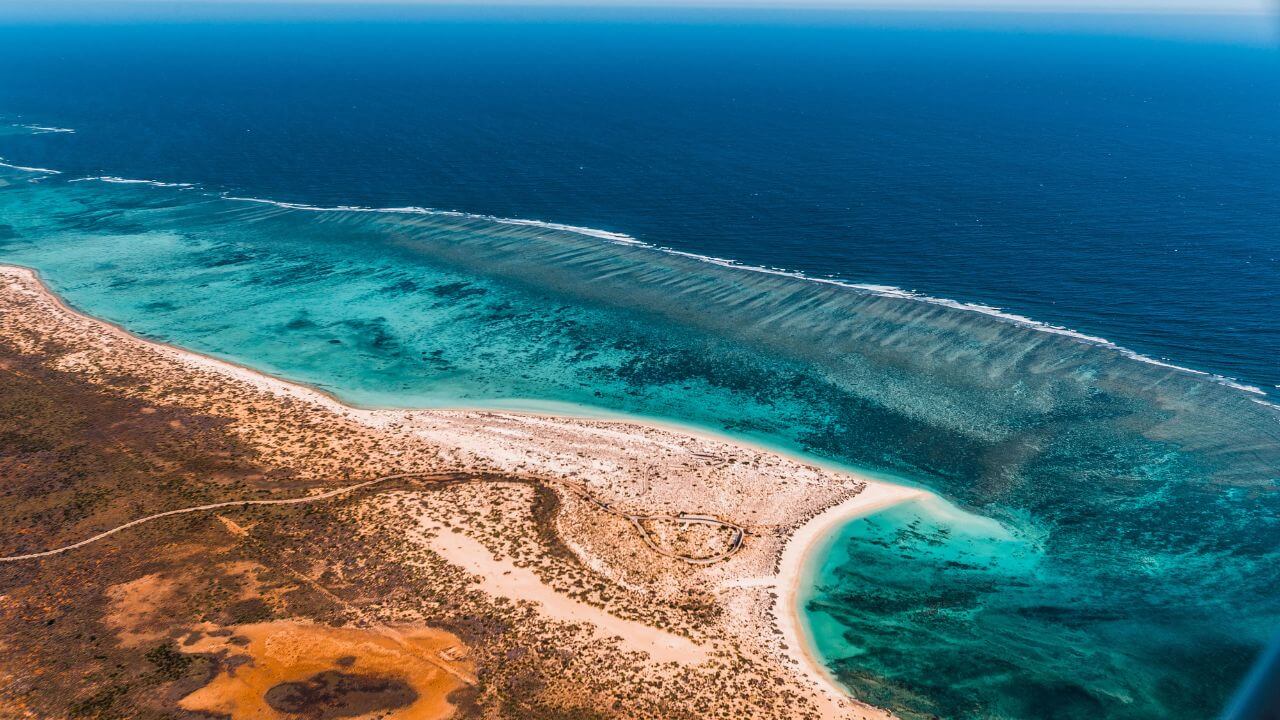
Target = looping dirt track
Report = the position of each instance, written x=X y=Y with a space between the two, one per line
x=636 y=521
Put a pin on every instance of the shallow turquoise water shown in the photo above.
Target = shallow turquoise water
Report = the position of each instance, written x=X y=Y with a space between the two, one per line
x=1134 y=571
x=927 y=569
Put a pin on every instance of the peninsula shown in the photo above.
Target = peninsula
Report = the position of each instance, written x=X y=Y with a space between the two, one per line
x=186 y=537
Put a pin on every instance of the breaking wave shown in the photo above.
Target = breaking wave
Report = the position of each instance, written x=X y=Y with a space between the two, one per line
x=44 y=129
x=25 y=168
x=886 y=291
x=132 y=181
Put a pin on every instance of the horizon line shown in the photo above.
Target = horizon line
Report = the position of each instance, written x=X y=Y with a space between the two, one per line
x=1096 y=7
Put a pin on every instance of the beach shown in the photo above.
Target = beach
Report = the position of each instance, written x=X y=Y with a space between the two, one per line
x=657 y=473
x=798 y=555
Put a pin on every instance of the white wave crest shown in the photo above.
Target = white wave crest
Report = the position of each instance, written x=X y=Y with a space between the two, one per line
x=43 y=129
x=24 y=168
x=891 y=291
x=131 y=181
x=413 y=210
x=887 y=291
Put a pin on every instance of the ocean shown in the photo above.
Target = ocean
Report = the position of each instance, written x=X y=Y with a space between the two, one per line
x=1028 y=263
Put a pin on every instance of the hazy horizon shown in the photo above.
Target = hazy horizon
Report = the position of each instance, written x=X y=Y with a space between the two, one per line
x=1054 y=6
x=1252 y=22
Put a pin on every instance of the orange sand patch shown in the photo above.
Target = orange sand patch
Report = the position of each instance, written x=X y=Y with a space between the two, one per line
x=432 y=662
x=233 y=527
x=248 y=575
x=135 y=610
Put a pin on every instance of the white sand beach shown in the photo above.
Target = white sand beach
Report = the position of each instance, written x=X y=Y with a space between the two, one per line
x=788 y=505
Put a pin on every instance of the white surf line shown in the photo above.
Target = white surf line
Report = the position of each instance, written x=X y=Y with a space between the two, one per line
x=24 y=168
x=44 y=129
x=618 y=238
x=212 y=506
x=132 y=181
x=870 y=289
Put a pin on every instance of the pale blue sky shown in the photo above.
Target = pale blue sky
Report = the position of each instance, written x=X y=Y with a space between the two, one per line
x=1255 y=20
x=1180 y=6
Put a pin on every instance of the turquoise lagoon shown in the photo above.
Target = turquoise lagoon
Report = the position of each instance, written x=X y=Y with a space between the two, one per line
x=1119 y=550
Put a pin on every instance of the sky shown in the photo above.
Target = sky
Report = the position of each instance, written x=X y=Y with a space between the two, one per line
x=1252 y=21
x=1210 y=6
x=1174 y=6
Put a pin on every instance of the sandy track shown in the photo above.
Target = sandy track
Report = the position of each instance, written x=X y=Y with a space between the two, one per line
x=213 y=506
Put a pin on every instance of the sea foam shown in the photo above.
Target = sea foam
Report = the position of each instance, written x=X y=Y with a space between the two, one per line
x=44 y=129
x=24 y=168
x=132 y=181
x=414 y=210
x=887 y=291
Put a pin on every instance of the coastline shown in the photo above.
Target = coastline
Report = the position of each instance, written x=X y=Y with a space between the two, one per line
x=520 y=407
x=795 y=563
x=797 y=548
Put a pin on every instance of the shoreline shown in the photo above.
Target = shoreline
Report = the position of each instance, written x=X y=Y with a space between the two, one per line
x=798 y=548
x=553 y=410
x=794 y=565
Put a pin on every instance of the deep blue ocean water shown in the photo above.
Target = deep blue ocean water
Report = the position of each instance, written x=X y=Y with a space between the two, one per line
x=1122 y=185
x=1120 y=182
